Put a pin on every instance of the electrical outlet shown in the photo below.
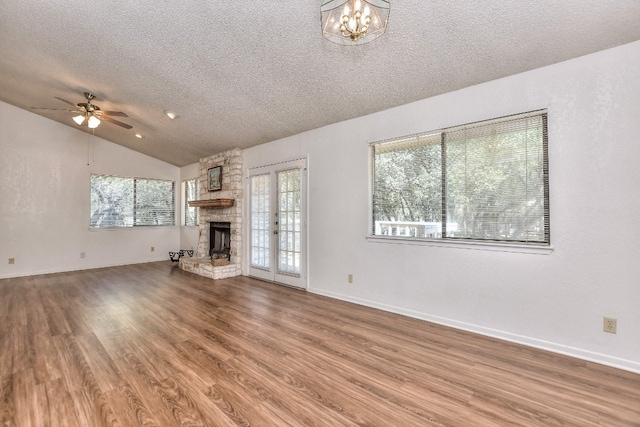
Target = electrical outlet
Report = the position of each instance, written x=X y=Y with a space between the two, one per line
x=82 y=254
x=350 y=278
x=610 y=325
x=153 y=248
x=12 y=260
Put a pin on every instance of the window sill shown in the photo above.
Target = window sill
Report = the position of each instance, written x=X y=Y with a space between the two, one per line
x=139 y=227
x=481 y=246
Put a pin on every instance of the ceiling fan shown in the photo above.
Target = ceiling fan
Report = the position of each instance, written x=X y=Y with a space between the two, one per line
x=90 y=113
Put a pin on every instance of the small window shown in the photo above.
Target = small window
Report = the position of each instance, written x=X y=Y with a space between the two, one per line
x=190 y=194
x=485 y=181
x=131 y=202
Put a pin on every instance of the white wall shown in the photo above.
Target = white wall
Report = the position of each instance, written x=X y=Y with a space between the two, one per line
x=554 y=301
x=188 y=235
x=45 y=168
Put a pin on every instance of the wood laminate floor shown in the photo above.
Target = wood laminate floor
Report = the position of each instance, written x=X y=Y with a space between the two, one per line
x=151 y=345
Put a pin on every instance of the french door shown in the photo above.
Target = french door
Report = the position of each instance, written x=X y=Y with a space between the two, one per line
x=277 y=223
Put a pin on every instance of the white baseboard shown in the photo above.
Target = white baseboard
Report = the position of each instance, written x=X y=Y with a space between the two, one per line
x=603 y=359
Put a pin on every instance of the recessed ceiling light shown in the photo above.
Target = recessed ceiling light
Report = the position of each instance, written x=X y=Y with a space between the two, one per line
x=138 y=136
x=171 y=115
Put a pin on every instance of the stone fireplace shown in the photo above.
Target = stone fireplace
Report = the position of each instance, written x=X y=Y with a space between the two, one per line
x=213 y=214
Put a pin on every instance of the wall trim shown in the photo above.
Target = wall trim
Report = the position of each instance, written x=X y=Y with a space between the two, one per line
x=476 y=245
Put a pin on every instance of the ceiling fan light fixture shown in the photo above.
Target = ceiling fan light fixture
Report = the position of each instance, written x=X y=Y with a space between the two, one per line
x=93 y=122
x=354 y=22
x=90 y=112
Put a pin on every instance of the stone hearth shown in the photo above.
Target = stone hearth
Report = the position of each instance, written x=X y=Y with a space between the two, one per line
x=203 y=267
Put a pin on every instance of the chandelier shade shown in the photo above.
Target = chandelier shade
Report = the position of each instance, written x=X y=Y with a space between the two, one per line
x=354 y=22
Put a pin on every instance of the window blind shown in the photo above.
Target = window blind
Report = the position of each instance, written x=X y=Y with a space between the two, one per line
x=154 y=202
x=495 y=176
x=406 y=185
x=480 y=181
x=131 y=202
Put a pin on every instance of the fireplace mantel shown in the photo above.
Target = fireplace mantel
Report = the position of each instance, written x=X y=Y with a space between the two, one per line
x=213 y=203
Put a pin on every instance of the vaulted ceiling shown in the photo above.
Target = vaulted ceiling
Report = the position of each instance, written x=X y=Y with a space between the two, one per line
x=242 y=73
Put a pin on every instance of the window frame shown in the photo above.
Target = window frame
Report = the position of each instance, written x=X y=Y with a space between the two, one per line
x=456 y=242
x=186 y=200
x=134 y=207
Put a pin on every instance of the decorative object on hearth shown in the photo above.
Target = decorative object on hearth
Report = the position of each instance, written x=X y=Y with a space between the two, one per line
x=353 y=22
x=219 y=259
x=175 y=256
x=215 y=178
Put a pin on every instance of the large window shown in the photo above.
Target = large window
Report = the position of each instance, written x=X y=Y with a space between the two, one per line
x=190 y=193
x=131 y=202
x=485 y=181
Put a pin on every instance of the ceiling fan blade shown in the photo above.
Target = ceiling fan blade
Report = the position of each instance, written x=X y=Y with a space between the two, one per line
x=115 y=122
x=65 y=101
x=45 y=108
x=113 y=113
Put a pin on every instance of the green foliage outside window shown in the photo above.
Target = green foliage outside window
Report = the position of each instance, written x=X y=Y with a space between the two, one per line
x=131 y=202
x=485 y=181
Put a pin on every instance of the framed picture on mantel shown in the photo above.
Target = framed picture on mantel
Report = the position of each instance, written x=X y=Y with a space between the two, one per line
x=215 y=178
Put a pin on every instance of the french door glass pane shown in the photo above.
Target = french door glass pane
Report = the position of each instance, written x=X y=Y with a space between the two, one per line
x=289 y=221
x=260 y=222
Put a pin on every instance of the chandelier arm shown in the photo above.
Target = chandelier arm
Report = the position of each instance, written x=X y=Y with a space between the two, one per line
x=360 y=24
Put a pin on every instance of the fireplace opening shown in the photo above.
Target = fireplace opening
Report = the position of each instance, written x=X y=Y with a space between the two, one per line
x=220 y=240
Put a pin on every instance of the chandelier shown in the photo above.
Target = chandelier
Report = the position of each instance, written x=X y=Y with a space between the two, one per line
x=351 y=22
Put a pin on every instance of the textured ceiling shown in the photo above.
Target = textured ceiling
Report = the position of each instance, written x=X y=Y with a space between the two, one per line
x=242 y=73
